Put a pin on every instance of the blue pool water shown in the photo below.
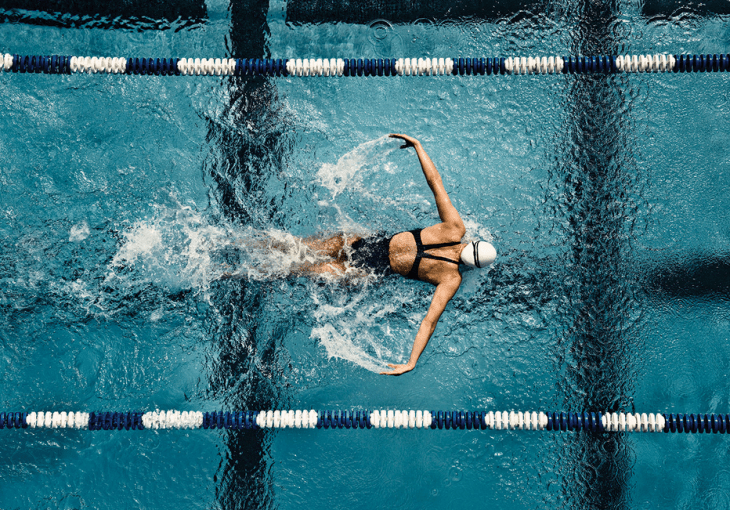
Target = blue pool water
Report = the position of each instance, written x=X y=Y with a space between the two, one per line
x=124 y=199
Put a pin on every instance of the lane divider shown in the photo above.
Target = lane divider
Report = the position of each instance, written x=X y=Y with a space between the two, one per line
x=600 y=64
x=363 y=419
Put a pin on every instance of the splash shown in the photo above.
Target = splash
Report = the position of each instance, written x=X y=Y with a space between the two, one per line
x=358 y=166
x=79 y=232
x=181 y=249
x=476 y=231
x=357 y=329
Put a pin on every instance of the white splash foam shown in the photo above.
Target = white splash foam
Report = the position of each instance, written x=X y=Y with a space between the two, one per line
x=180 y=249
x=142 y=239
x=355 y=330
x=341 y=343
x=350 y=169
x=79 y=232
x=475 y=231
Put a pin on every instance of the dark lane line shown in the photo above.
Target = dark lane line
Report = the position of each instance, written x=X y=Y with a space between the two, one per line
x=247 y=373
x=406 y=11
x=666 y=8
x=600 y=183
x=694 y=275
x=137 y=15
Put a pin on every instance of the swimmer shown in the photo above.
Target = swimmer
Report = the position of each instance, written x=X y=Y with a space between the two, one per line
x=432 y=254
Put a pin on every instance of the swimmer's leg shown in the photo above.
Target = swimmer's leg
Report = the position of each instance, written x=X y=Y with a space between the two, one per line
x=333 y=268
x=332 y=247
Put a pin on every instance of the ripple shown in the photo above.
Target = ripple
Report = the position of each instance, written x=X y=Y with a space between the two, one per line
x=455 y=473
x=379 y=29
x=384 y=39
x=715 y=498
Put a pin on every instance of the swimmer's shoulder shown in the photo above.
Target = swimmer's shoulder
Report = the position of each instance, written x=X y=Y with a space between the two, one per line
x=444 y=275
x=403 y=240
x=402 y=252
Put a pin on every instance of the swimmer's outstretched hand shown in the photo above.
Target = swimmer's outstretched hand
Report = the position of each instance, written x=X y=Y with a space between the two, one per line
x=398 y=369
x=410 y=141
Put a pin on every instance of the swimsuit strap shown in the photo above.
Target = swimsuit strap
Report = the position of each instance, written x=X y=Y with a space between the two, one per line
x=440 y=245
x=417 y=236
x=413 y=273
x=438 y=257
x=421 y=253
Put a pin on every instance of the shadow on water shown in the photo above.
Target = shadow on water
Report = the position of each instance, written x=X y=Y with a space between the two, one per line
x=696 y=275
x=596 y=184
x=137 y=15
x=409 y=11
x=246 y=373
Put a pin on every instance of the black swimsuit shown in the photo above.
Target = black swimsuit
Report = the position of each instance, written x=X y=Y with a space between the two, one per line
x=422 y=254
x=374 y=253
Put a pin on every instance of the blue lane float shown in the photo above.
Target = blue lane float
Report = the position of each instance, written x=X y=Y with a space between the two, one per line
x=358 y=419
x=389 y=67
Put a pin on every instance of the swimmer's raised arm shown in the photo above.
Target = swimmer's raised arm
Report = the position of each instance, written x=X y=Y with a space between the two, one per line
x=444 y=292
x=447 y=212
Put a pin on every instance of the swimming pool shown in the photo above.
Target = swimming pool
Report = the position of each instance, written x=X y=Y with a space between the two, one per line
x=124 y=198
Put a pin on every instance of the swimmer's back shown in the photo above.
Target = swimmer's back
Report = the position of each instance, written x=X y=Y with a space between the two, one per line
x=403 y=250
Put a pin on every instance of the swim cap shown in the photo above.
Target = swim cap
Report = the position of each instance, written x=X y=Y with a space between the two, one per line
x=478 y=254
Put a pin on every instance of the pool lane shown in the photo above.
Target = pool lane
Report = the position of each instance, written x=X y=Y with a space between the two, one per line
x=601 y=184
x=244 y=344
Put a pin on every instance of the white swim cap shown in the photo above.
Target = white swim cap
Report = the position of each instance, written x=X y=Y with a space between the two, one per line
x=478 y=254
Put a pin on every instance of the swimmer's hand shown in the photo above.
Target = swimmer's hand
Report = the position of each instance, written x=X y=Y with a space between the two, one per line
x=409 y=140
x=398 y=369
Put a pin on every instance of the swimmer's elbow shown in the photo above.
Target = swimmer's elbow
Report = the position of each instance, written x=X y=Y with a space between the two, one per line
x=461 y=229
x=456 y=225
x=429 y=324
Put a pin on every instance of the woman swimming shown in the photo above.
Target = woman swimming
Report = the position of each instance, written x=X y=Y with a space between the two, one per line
x=432 y=254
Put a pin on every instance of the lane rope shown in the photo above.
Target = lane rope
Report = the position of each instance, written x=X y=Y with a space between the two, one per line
x=364 y=419
x=484 y=66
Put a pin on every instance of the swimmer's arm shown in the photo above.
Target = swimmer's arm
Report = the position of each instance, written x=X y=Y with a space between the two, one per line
x=444 y=292
x=447 y=211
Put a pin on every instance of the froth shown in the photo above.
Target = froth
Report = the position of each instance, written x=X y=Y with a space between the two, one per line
x=476 y=231
x=348 y=172
x=181 y=249
x=356 y=329
x=79 y=232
